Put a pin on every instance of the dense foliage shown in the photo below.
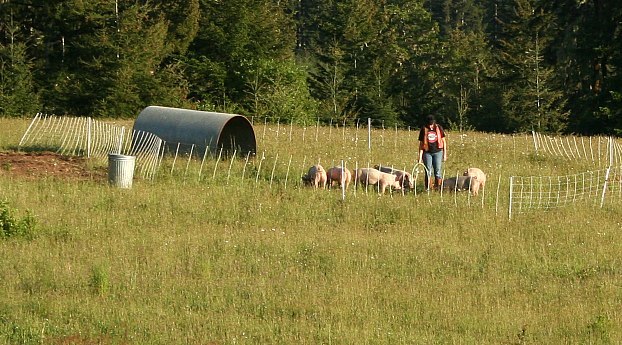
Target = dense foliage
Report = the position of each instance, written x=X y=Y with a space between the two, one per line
x=493 y=65
x=13 y=227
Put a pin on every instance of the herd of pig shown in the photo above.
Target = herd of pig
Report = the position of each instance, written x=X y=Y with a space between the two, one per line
x=383 y=177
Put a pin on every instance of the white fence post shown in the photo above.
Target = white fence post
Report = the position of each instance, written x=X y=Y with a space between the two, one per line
x=88 y=137
x=610 y=151
x=343 y=180
x=248 y=154
x=175 y=159
x=287 y=174
x=317 y=129
x=121 y=139
x=189 y=160
x=263 y=156
x=231 y=165
x=510 y=204
x=202 y=160
x=369 y=133
x=217 y=161
x=535 y=142
x=28 y=129
x=602 y=198
x=273 y=169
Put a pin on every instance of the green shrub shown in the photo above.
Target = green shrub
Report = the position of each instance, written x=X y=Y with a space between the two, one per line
x=10 y=226
x=99 y=281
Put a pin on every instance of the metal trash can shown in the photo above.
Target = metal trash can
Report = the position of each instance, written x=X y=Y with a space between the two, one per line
x=121 y=170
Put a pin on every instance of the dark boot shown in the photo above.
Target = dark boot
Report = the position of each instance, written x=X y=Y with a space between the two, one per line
x=439 y=183
x=429 y=185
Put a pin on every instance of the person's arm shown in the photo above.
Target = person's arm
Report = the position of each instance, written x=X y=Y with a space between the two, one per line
x=444 y=139
x=421 y=139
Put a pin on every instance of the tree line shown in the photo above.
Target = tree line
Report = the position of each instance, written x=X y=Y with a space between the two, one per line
x=492 y=65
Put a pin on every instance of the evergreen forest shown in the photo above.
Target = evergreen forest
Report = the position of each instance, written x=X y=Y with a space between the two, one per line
x=490 y=65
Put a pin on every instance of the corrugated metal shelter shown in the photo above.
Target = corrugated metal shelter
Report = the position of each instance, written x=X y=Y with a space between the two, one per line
x=216 y=131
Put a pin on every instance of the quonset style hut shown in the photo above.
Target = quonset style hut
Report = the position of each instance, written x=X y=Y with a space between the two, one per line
x=216 y=131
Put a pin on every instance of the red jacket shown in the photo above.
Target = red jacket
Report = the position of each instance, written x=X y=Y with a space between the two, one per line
x=423 y=145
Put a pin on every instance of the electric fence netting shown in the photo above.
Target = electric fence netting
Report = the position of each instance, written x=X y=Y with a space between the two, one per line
x=528 y=193
x=600 y=151
x=83 y=136
x=598 y=159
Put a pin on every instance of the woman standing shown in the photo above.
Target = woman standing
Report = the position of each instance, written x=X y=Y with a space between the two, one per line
x=432 y=152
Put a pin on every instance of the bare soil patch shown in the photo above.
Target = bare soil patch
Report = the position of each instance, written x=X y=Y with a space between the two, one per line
x=37 y=165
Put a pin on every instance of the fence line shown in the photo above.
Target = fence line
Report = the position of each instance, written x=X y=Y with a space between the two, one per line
x=276 y=172
x=555 y=146
x=529 y=193
x=96 y=139
x=83 y=136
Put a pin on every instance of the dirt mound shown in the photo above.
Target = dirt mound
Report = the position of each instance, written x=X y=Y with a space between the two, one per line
x=36 y=165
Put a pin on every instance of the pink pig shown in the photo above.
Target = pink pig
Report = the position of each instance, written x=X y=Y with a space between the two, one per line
x=478 y=182
x=375 y=177
x=338 y=174
x=316 y=177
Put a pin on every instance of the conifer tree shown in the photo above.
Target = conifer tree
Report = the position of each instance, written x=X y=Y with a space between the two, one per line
x=17 y=93
x=372 y=58
x=530 y=97
x=586 y=51
x=236 y=38
x=338 y=36
x=466 y=63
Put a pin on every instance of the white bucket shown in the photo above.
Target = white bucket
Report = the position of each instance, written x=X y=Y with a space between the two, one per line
x=121 y=170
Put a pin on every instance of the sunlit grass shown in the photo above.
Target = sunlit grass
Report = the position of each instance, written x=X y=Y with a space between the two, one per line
x=231 y=260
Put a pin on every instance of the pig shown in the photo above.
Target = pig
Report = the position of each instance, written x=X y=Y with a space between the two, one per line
x=458 y=183
x=316 y=177
x=371 y=176
x=481 y=179
x=338 y=174
x=405 y=178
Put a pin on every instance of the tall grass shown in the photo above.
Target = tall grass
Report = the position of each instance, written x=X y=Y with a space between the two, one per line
x=199 y=261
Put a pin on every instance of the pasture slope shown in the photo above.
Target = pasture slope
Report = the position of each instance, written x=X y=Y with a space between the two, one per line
x=229 y=253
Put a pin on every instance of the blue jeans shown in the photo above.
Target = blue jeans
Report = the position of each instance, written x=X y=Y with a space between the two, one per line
x=434 y=163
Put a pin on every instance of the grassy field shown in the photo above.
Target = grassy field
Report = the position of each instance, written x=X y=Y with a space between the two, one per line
x=222 y=259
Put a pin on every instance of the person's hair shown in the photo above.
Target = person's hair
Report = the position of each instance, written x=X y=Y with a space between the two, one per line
x=430 y=120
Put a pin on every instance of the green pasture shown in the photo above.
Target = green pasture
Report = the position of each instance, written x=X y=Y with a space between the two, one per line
x=225 y=251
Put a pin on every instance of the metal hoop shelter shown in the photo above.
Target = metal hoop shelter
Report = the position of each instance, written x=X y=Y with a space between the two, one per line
x=187 y=130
